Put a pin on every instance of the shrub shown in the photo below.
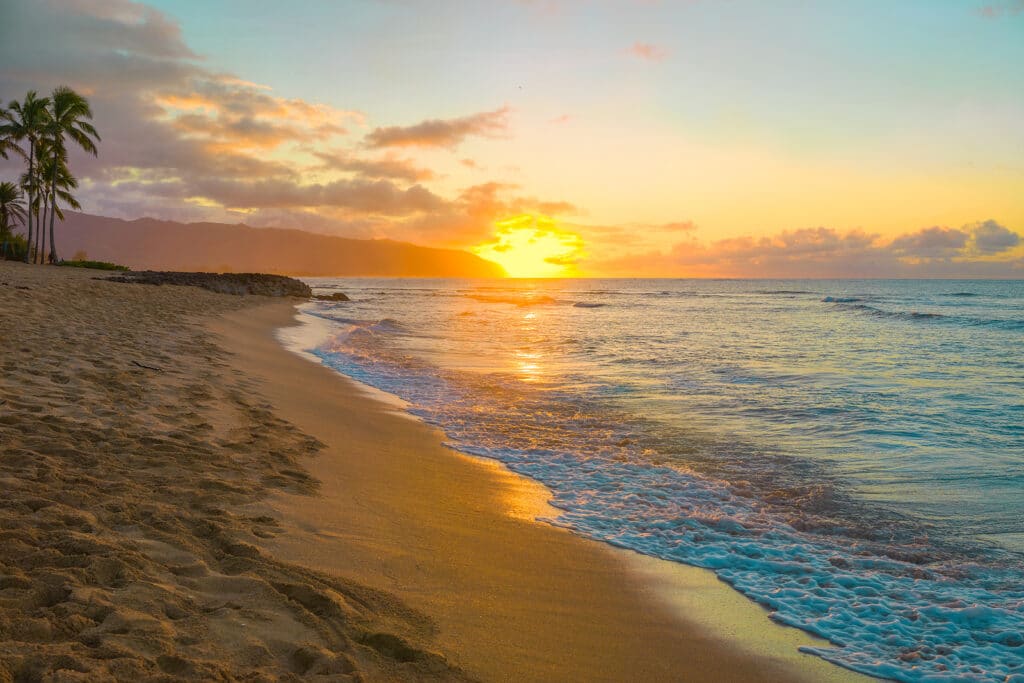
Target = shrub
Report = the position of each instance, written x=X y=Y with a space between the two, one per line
x=13 y=247
x=98 y=265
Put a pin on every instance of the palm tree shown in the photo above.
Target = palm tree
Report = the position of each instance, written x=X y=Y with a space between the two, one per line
x=67 y=119
x=57 y=192
x=44 y=171
x=12 y=213
x=33 y=187
x=6 y=143
x=26 y=121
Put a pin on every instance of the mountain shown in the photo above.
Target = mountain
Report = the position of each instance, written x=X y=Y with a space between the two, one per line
x=152 y=244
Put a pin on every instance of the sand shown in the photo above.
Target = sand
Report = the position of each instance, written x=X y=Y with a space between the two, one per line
x=129 y=450
x=183 y=499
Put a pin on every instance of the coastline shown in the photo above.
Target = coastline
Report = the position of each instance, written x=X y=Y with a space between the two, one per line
x=454 y=536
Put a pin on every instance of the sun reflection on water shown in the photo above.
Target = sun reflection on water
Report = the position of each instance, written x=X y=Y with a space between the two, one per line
x=528 y=365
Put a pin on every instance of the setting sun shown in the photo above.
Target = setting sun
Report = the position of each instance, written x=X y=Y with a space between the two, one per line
x=530 y=246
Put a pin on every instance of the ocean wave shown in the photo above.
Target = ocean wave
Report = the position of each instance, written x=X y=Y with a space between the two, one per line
x=586 y=304
x=388 y=325
x=841 y=299
x=328 y=313
x=517 y=300
x=1010 y=324
x=383 y=325
x=784 y=291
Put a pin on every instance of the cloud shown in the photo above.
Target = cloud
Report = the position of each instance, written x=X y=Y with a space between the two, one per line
x=184 y=141
x=992 y=238
x=570 y=260
x=166 y=119
x=829 y=253
x=1000 y=9
x=446 y=133
x=241 y=115
x=389 y=167
x=471 y=216
x=375 y=197
x=932 y=242
x=648 y=52
x=679 y=226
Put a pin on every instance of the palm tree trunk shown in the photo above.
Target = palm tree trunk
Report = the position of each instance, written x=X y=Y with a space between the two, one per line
x=37 y=257
x=53 y=213
x=41 y=229
x=31 y=174
x=53 y=208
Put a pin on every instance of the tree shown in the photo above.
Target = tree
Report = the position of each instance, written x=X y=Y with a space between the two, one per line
x=26 y=121
x=7 y=143
x=57 y=192
x=67 y=119
x=12 y=213
x=32 y=186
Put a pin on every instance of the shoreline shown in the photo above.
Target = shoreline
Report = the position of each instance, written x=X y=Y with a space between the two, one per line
x=434 y=527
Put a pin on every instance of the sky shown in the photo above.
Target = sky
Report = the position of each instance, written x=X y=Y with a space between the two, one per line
x=706 y=138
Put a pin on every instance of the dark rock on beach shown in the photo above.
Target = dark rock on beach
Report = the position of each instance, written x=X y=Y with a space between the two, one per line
x=336 y=296
x=259 y=284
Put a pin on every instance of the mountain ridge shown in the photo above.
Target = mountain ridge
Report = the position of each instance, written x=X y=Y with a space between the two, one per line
x=156 y=244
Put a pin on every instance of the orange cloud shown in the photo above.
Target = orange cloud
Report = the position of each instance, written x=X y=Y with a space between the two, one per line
x=388 y=167
x=982 y=249
x=441 y=132
x=648 y=52
x=680 y=226
x=239 y=114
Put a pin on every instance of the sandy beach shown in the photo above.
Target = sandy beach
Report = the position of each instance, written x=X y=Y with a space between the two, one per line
x=186 y=499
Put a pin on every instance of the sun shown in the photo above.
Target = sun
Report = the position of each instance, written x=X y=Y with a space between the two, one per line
x=531 y=246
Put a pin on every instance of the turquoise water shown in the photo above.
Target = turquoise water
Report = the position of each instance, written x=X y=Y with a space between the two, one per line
x=848 y=453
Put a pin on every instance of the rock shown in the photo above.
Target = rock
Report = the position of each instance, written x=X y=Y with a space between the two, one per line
x=336 y=296
x=259 y=284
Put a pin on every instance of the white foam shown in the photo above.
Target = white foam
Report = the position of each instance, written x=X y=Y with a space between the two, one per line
x=311 y=333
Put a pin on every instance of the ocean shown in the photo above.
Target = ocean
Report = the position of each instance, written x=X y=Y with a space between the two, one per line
x=847 y=453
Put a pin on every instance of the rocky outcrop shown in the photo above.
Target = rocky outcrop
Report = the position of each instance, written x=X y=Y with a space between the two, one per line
x=224 y=283
x=336 y=296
